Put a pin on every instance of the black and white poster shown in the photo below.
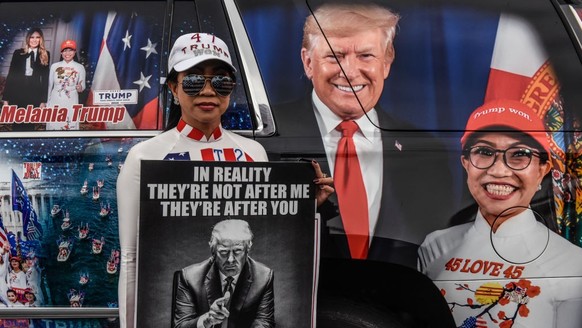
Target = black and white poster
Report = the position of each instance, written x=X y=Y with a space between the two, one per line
x=203 y=221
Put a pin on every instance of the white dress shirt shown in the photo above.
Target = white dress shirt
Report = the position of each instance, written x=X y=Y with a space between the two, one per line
x=28 y=69
x=223 y=281
x=368 y=141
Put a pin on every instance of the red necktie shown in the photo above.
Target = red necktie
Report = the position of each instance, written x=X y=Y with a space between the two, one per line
x=351 y=193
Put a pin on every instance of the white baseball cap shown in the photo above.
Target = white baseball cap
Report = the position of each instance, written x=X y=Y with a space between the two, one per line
x=191 y=49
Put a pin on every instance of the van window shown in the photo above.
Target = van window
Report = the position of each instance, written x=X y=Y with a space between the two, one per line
x=207 y=16
x=121 y=51
x=115 y=87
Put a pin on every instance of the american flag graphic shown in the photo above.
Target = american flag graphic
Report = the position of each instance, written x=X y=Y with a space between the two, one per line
x=3 y=236
x=129 y=60
x=21 y=202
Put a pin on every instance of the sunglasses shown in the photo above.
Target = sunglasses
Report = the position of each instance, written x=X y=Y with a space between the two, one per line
x=194 y=83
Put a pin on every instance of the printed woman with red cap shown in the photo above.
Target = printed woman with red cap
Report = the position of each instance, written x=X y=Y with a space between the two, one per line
x=201 y=78
x=66 y=81
x=16 y=278
x=505 y=269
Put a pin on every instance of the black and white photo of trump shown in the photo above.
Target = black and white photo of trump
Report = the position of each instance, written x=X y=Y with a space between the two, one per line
x=230 y=289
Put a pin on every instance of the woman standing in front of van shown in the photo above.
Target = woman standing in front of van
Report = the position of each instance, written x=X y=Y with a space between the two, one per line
x=201 y=84
x=505 y=269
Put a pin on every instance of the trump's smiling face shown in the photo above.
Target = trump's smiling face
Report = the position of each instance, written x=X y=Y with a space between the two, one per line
x=365 y=63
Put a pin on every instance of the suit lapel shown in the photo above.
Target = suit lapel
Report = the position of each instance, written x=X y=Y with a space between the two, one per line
x=298 y=120
x=394 y=148
x=212 y=284
x=243 y=285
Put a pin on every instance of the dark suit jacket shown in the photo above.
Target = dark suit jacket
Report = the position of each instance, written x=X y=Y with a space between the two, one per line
x=23 y=91
x=417 y=195
x=251 y=305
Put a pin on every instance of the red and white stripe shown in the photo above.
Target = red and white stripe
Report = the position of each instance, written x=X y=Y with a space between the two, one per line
x=517 y=57
x=105 y=76
x=3 y=237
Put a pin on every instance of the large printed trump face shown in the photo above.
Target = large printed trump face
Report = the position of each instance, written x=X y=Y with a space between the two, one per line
x=365 y=67
x=230 y=257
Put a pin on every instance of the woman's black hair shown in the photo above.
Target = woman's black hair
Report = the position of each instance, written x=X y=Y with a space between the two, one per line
x=175 y=111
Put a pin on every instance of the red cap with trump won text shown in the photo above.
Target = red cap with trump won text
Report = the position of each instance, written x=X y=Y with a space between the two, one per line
x=70 y=44
x=509 y=114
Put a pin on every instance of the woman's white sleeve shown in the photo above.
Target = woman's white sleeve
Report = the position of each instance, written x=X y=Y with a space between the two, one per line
x=128 y=212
